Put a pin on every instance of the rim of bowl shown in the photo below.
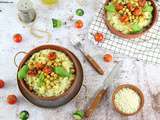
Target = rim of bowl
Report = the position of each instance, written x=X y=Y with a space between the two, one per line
x=54 y=47
x=133 y=87
x=130 y=36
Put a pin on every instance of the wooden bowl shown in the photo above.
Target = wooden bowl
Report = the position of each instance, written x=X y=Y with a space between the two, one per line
x=51 y=102
x=130 y=36
x=136 y=89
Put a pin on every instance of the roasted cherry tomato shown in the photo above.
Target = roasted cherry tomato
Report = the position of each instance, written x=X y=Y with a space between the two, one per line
x=2 y=83
x=11 y=99
x=124 y=19
x=107 y=58
x=99 y=37
x=39 y=66
x=52 y=56
x=130 y=6
x=32 y=72
x=142 y=3
x=119 y=6
x=79 y=24
x=47 y=70
x=17 y=38
x=137 y=11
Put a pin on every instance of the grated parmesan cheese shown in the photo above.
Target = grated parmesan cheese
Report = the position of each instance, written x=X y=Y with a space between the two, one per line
x=127 y=100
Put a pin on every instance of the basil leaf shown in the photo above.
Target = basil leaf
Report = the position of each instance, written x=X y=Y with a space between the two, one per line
x=110 y=8
x=147 y=8
x=136 y=28
x=61 y=72
x=41 y=78
x=23 y=72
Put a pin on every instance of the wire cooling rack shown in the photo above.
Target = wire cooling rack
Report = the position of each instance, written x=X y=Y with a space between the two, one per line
x=146 y=47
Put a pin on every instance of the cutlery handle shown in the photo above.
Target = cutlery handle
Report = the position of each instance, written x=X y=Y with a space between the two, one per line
x=94 y=64
x=94 y=103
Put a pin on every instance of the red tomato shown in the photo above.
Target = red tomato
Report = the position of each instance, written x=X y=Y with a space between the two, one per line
x=119 y=6
x=142 y=3
x=39 y=66
x=107 y=58
x=130 y=6
x=99 y=37
x=137 y=11
x=11 y=99
x=32 y=72
x=124 y=19
x=2 y=83
x=17 y=38
x=79 y=24
x=47 y=70
x=52 y=56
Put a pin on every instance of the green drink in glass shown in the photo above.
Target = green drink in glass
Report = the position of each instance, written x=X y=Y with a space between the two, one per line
x=49 y=2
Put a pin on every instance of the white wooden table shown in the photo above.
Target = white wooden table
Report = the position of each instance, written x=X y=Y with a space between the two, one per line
x=135 y=72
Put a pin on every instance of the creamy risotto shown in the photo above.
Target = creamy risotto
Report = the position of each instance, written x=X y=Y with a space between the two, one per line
x=48 y=73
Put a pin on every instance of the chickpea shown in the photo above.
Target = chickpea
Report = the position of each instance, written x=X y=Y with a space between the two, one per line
x=51 y=78
x=133 y=17
x=52 y=74
x=130 y=14
x=48 y=76
x=124 y=9
x=47 y=81
x=52 y=84
x=49 y=87
x=121 y=11
x=73 y=70
x=44 y=62
x=49 y=63
x=55 y=64
x=55 y=76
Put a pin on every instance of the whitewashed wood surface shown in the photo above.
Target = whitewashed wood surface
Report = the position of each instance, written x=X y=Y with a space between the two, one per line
x=145 y=76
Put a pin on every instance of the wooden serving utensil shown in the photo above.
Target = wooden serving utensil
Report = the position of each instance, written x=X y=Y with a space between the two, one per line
x=103 y=92
x=95 y=103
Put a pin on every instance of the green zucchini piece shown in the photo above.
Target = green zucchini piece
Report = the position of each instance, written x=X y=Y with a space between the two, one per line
x=41 y=78
x=110 y=8
x=78 y=115
x=56 y=23
x=23 y=115
x=23 y=72
x=61 y=72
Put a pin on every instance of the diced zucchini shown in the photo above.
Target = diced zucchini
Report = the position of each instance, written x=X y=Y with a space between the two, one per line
x=78 y=115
